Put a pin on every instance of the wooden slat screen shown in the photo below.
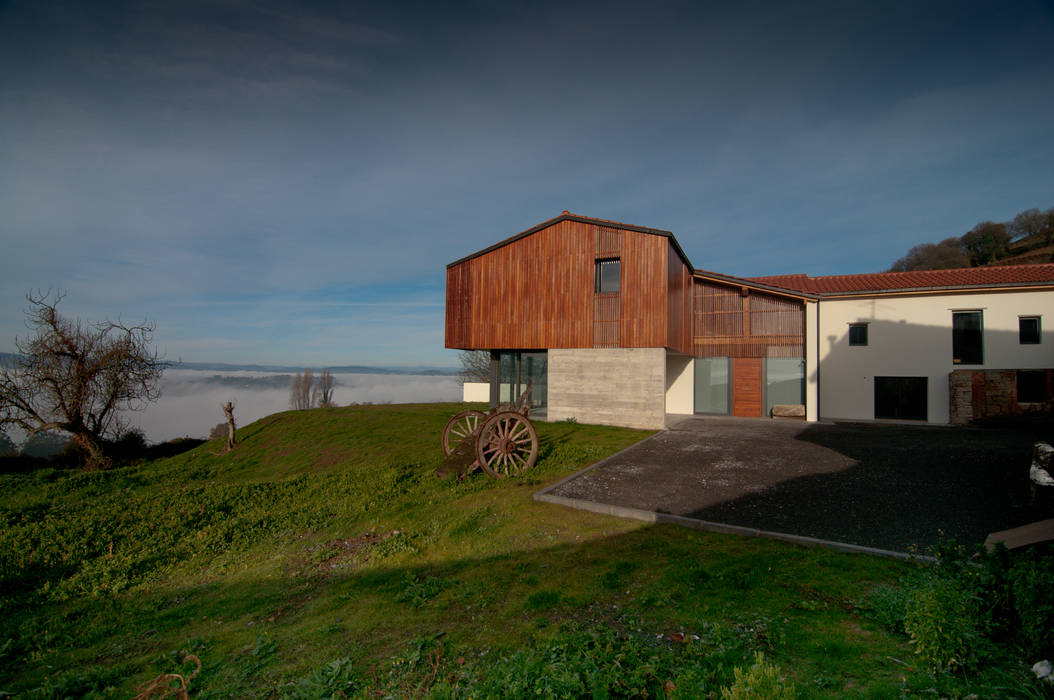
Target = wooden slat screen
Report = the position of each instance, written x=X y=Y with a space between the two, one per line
x=730 y=323
x=605 y=321
x=607 y=242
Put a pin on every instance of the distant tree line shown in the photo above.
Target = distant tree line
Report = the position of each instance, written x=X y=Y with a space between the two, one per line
x=987 y=243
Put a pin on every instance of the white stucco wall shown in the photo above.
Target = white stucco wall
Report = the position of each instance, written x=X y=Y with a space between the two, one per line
x=475 y=391
x=912 y=337
x=680 y=384
x=812 y=375
x=623 y=386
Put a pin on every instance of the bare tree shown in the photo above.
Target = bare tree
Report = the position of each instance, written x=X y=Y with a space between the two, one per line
x=228 y=411
x=322 y=395
x=300 y=391
x=475 y=365
x=1033 y=224
x=78 y=377
x=945 y=255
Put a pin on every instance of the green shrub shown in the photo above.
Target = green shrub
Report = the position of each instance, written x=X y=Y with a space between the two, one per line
x=760 y=682
x=1032 y=590
x=943 y=620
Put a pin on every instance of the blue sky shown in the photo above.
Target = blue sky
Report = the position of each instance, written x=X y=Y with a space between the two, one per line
x=283 y=183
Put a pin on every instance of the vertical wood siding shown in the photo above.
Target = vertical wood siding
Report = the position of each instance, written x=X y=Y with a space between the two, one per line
x=678 y=302
x=537 y=292
x=730 y=323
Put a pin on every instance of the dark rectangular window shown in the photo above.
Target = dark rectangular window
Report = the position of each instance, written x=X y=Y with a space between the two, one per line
x=901 y=398
x=1031 y=386
x=967 y=345
x=1028 y=330
x=607 y=276
x=858 y=334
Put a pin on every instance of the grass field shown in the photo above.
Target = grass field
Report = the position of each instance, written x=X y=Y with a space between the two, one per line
x=323 y=555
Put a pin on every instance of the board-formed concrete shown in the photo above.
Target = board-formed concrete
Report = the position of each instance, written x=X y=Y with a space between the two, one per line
x=609 y=386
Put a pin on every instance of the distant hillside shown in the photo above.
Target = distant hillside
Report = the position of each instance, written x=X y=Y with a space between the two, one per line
x=1026 y=239
x=7 y=358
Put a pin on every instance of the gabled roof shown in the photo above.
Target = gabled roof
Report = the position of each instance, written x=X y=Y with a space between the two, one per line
x=753 y=283
x=920 y=280
x=568 y=216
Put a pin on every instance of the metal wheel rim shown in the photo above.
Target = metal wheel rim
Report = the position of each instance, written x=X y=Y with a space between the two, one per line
x=507 y=445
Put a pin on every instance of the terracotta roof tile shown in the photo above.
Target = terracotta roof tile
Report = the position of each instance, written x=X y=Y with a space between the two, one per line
x=921 y=279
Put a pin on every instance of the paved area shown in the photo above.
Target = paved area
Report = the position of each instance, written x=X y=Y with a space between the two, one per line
x=891 y=487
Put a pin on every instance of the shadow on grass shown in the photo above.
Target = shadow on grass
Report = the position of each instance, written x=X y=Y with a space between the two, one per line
x=655 y=580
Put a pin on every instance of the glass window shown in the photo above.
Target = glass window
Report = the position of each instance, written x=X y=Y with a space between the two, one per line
x=1028 y=330
x=967 y=344
x=784 y=382
x=711 y=385
x=903 y=398
x=606 y=280
x=858 y=334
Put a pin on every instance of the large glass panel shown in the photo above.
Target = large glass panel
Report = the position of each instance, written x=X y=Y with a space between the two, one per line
x=507 y=377
x=784 y=382
x=903 y=398
x=515 y=370
x=967 y=343
x=534 y=369
x=711 y=385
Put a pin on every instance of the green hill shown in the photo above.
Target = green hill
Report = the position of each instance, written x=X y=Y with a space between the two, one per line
x=323 y=555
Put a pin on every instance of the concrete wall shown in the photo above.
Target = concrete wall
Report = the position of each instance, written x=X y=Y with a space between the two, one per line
x=680 y=384
x=475 y=391
x=911 y=336
x=624 y=386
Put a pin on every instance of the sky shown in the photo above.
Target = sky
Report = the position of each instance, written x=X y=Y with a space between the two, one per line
x=280 y=182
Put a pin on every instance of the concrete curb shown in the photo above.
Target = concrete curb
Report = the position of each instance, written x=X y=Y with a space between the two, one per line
x=649 y=516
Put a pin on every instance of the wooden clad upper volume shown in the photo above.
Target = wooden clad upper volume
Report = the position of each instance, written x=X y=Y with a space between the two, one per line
x=536 y=290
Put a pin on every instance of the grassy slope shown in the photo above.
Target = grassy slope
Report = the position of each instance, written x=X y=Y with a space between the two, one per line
x=274 y=560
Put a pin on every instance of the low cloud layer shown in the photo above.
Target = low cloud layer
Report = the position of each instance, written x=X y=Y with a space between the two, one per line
x=191 y=399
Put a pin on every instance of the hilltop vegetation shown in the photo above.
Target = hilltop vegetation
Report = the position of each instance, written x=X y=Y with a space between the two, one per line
x=1027 y=238
x=323 y=556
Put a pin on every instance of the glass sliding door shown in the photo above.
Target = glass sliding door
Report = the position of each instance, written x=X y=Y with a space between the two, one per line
x=784 y=382
x=711 y=385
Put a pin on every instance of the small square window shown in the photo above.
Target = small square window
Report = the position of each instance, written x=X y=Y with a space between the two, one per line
x=606 y=279
x=1028 y=330
x=858 y=334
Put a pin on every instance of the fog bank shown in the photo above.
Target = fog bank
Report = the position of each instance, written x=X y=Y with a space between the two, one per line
x=191 y=399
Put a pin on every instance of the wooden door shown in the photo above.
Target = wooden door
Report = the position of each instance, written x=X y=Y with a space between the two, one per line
x=746 y=387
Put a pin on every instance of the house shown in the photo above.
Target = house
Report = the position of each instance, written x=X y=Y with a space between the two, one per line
x=611 y=323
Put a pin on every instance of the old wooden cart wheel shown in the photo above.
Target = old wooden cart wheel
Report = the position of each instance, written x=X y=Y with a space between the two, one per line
x=507 y=444
x=460 y=427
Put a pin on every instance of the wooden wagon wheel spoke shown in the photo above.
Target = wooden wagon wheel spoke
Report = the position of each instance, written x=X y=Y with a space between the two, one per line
x=507 y=444
x=460 y=427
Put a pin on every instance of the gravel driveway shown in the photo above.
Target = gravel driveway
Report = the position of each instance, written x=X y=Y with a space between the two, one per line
x=890 y=487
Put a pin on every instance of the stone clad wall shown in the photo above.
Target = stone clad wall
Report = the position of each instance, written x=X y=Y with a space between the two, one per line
x=610 y=386
x=987 y=393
